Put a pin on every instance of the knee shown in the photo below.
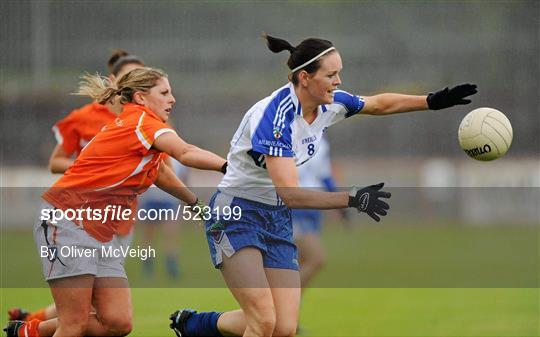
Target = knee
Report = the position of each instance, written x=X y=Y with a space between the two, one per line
x=264 y=325
x=75 y=325
x=285 y=329
x=261 y=319
x=320 y=261
x=118 y=325
x=315 y=261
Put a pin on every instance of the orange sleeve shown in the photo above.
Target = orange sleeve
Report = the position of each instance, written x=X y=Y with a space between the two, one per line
x=148 y=129
x=66 y=133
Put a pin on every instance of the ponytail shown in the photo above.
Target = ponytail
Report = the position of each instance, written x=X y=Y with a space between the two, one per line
x=102 y=90
x=278 y=45
x=97 y=87
x=306 y=56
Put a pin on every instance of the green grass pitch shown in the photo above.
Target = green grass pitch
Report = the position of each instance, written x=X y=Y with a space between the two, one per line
x=390 y=280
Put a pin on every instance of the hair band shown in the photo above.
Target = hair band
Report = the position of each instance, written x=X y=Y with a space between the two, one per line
x=313 y=59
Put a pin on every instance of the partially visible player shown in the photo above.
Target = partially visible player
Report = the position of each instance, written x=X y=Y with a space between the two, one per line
x=255 y=253
x=72 y=133
x=157 y=201
x=118 y=164
x=307 y=223
x=75 y=130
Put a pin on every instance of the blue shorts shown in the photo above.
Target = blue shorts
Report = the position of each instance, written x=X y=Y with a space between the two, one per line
x=265 y=227
x=306 y=221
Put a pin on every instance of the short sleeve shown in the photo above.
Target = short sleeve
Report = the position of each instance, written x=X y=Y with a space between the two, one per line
x=66 y=133
x=148 y=129
x=272 y=135
x=346 y=105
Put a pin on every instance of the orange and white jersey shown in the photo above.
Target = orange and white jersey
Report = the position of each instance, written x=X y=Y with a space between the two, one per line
x=116 y=166
x=81 y=125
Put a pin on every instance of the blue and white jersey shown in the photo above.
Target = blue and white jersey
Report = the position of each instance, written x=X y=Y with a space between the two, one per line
x=274 y=126
x=316 y=172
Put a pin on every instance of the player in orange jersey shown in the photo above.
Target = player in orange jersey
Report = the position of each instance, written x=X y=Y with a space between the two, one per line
x=72 y=133
x=75 y=130
x=119 y=163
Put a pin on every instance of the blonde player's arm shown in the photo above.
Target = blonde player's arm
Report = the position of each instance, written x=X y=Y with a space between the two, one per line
x=170 y=183
x=187 y=154
x=168 y=161
x=282 y=171
x=59 y=161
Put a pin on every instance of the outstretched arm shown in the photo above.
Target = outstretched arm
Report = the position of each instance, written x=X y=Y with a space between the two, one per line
x=283 y=172
x=170 y=183
x=386 y=104
x=187 y=154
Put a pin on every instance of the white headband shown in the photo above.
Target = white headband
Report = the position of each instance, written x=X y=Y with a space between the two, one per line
x=313 y=59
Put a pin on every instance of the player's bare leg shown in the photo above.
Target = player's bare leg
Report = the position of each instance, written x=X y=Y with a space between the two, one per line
x=245 y=276
x=285 y=287
x=73 y=299
x=112 y=301
x=311 y=257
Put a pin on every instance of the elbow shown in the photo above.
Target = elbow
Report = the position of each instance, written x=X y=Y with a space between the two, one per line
x=182 y=156
x=288 y=198
x=377 y=110
x=381 y=105
x=53 y=168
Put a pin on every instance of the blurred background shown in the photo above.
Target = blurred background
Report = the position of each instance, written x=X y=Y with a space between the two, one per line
x=455 y=222
x=219 y=66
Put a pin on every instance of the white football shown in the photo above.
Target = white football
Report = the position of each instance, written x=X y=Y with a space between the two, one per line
x=485 y=134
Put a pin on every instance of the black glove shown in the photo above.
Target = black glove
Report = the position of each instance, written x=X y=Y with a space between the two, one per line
x=446 y=98
x=224 y=168
x=367 y=200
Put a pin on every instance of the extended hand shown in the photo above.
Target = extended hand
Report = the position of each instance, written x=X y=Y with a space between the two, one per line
x=446 y=98
x=367 y=200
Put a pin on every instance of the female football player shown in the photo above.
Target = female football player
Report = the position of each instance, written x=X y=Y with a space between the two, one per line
x=255 y=252
x=75 y=130
x=72 y=133
x=118 y=164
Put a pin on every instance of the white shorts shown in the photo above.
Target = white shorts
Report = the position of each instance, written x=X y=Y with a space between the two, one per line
x=66 y=249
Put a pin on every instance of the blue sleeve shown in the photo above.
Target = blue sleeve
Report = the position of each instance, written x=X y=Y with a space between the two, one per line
x=273 y=135
x=329 y=184
x=352 y=103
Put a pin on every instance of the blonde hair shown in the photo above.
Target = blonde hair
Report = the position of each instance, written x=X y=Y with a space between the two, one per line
x=102 y=90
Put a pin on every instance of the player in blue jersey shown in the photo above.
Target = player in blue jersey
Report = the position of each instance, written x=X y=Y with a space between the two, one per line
x=307 y=223
x=255 y=251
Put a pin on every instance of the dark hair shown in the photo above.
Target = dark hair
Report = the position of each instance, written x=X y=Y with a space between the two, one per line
x=305 y=51
x=120 y=58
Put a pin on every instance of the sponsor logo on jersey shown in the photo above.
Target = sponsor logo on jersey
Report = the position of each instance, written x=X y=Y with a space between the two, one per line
x=274 y=143
x=277 y=133
x=309 y=139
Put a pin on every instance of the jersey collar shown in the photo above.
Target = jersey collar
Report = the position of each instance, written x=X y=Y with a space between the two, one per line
x=130 y=107
x=298 y=106
x=295 y=101
x=102 y=108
